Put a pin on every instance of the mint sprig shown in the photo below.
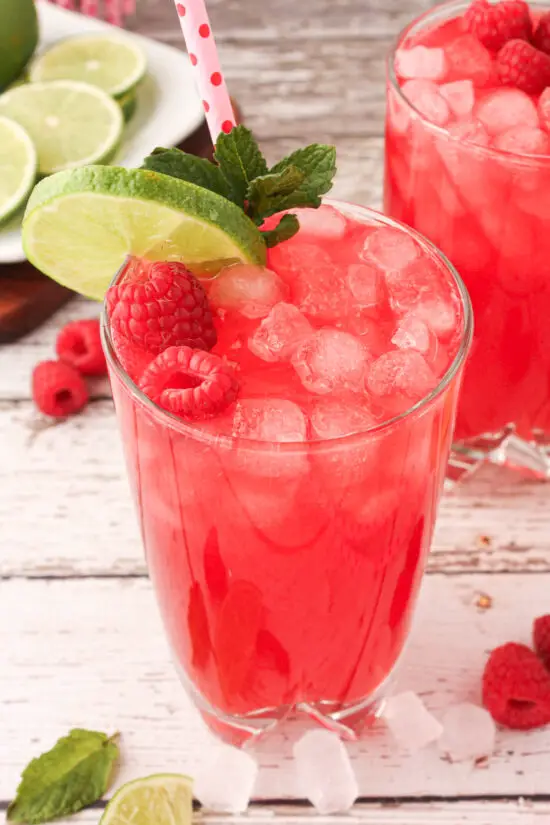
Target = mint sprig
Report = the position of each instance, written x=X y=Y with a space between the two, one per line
x=72 y=775
x=240 y=174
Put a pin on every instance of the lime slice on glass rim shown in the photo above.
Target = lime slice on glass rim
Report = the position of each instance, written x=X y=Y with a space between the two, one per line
x=71 y=124
x=80 y=226
x=18 y=164
x=114 y=64
x=162 y=799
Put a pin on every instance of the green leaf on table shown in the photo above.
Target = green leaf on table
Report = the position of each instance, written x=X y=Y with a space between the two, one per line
x=190 y=168
x=318 y=164
x=287 y=227
x=267 y=194
x=240 y=161
x=73 y=774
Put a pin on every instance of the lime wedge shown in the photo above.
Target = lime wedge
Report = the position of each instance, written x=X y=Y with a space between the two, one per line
x=128 y=104
x=114 y=64
x=80 y=225
x=71 y=124
x=18 y=164
x=162 y=799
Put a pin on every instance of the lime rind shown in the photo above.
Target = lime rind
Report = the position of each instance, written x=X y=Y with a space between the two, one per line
x=16 y=145
x=162 y=799
x=80 y=225
x=113 y=63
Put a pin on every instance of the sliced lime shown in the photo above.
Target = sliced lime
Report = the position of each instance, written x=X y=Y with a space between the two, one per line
x=162 y=799
x=114 y=64
x=18 y=162
x=128 y=104
x=80 y=225
x=71 y=124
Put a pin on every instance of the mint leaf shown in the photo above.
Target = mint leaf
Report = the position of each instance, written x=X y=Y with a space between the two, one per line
x=266 y=194
x=190 y=168
x=287 y=227
x=240 y=161
x=318 y=163
x=72 y=775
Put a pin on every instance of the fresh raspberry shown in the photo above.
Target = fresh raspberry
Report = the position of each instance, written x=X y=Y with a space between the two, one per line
x=79 y=344
x=541 y=35
x=58 y=389
x=516 y=688
x=494 y=25
x=189 y=382
x=160 y=305
x=541 y=639
x=521 y=65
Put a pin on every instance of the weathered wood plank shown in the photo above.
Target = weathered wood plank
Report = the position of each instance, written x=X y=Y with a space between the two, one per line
x=94 y=655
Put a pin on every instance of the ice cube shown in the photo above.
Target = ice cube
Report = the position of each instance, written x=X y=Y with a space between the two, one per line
x=390 y=248
x=439 y=314
x=269 y=419
x=225 y=784
x=468 y=733
x=407 y=286
x=366 y=283
x=322 y=293
x=426 y=98
x=331 y=418
x=410 y=723
x=250 y=290
x=470 y=131
x=421 y=63
x=325 y=222
x=279 y=334
x=468 y=59
x=324 y=771
x=523 y=140
x=329 y=360
x=503 y=109
x=413 y=333
x=460 y=96
x=401 y=373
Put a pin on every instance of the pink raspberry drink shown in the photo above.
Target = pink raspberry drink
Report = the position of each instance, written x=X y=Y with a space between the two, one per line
x=468 y=165
x=286 y=476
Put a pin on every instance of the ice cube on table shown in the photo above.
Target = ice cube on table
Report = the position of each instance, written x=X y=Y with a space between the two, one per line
x=225 y=784
x=468 y=59
x=269 y=419
x=460 y=96
x=413 y=333
x=366 y=283
x=279 y=333
x=401 y=373
x=427 y=99
x=503 y=109
x=523 y=140
x=390 y=249
x=331 y=418
x=468 y=733
x=325 y=222
x=250 y=290
x=411 y=724
x=330 y=359
x=324 y=770
x=421 y=62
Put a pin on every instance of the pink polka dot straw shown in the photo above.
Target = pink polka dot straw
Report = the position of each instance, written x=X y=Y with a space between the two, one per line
x=203 y=54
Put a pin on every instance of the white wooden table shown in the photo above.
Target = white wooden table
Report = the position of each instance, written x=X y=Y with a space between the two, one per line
x=80 y=638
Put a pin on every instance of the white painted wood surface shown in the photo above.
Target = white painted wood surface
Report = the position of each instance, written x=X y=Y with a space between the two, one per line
x=80 y=639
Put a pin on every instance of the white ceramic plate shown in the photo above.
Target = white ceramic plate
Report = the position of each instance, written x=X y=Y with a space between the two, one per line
x=169 y=108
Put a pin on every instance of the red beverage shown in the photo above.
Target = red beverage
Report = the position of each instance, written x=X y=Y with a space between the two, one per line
x=286 y=535
x=468 y=165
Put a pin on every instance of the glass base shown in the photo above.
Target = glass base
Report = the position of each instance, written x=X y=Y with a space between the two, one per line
x=504 y=449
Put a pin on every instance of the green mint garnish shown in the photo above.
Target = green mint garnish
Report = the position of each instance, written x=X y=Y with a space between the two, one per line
x=72 y=775
x=240 y=174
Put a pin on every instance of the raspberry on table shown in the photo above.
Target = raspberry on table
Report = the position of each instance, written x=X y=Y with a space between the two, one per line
x=58 y=389
x=191 y=383
x=541 y=639
x=494 y=25
x=521 y=65
x=516 y=688
x=79 y=344
x=160 y=305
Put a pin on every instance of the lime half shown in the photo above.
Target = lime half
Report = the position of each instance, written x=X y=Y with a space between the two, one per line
x=71 y=124
x=18 y=162
x=80 y=225
x=114 y=64
x=162 y=799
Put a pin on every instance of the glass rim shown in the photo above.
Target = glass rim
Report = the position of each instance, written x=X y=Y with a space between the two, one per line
x=441 y=131
x=178 y=424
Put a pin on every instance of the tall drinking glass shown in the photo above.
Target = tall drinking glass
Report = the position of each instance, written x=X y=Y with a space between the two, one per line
x=286 y=570
x=468 y=165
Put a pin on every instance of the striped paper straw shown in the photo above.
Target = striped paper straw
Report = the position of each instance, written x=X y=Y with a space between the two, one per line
x=203 y=54
x=113 y=12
